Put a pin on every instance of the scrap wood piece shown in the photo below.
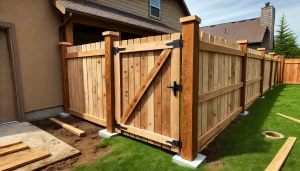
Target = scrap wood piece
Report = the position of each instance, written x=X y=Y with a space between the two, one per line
x=281 y=156
x=68 y=127
x=3 y=145
x=14 y=162
x=288 y=117
x=12 y=149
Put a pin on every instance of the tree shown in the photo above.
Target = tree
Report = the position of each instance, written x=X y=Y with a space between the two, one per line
x=285 y=41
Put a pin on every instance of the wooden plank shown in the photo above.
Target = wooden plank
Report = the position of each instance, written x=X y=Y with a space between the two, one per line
x=288 y=117
x=68 y=127
x=282 y=154
x=13 y=148
x=253 y=81
x=137 y=83
x=209 y=47
x=84 y=54
x=155 y=45
x=118 y=88
x=205 y=85
x=215 y=93
x=100 y=83
x=12 y=163
x=144 y=103
x=90 y=81
x=85 y=81
x=103 y=74
x=8 y=144
x=130 y=84
x=158 y=64
x=88 y=117
x=125 y=80
x=251 y=55
x=95 y=86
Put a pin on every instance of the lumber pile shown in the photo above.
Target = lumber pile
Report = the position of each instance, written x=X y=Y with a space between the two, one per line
x=9 y=159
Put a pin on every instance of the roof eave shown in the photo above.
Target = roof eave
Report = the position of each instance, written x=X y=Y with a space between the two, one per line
x=185 y=7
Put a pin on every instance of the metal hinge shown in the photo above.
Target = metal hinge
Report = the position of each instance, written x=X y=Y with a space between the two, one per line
x=176 y=87
x=175 y=43
x=117 y=49
x=175 y=143
x=119 y=126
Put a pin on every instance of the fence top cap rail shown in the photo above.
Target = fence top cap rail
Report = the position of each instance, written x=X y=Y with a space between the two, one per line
x=190 y=18
x=272 y=53
x=65 y=43
x=261 y=49
x=242 y=41
x=110 y=33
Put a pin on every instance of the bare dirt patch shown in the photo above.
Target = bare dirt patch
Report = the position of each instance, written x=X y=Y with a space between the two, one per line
x=87 y=145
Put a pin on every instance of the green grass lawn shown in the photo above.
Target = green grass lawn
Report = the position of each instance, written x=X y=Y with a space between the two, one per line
x=242 y=146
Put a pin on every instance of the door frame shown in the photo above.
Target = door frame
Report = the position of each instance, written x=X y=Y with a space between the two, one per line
x=15 y=69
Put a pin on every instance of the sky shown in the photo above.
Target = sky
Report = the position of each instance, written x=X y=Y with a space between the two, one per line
x=214 y=12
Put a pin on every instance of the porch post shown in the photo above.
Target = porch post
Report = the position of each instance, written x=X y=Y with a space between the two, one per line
x=190 y=67
x=262 y=71
x=244 y=46
x=110 y=37
x=64 y=65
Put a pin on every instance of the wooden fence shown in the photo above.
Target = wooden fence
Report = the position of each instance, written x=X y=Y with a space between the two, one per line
x=291 y=73
x=133 y=86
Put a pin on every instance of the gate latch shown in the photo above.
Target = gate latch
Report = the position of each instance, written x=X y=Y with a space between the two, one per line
x=175 y=143
x=117 y=50
x=119 y=126
x=176 y=87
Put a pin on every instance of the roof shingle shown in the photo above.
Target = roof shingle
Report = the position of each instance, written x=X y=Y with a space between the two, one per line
x=250 y=30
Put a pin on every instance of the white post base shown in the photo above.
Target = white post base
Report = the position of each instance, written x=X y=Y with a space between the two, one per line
x=192 y=164
x=104 y=134
x=245 y=113
x=262 y=97
x=64 y=115
x=271 y=88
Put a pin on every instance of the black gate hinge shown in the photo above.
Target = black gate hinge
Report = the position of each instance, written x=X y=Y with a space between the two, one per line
x=176 y=87
x=175 y=43
x=117 y=50
x=175 y=143
x=119 y=126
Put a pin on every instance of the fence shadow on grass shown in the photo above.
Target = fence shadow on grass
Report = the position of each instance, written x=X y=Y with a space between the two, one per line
x=244 y=135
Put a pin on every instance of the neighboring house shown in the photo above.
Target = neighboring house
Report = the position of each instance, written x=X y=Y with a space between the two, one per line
x=30 y=60
x=258 y=31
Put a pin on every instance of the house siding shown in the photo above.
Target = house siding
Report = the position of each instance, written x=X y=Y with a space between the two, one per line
x=36 y=23
x=171 y=10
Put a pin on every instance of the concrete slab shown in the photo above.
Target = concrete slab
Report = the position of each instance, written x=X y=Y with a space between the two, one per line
x=37 y=140
x=192 y=164
x=104 y=134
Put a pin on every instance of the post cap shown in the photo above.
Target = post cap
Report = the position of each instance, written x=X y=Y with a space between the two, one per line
x=272 y=53
x=242 y=41
x=190 y=18
x=261 y=49
x=65 y=43
x=110 y=33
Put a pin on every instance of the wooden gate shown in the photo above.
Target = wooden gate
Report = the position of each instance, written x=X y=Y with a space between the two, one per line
x=145 y=107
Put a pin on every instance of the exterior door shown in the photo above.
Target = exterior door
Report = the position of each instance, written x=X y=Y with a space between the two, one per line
x=7 y=97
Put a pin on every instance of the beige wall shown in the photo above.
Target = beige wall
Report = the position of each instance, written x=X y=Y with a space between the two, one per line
x=171 y=10
x=36 y=23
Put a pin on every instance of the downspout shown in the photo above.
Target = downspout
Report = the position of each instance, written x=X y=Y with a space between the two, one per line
x=62 y=26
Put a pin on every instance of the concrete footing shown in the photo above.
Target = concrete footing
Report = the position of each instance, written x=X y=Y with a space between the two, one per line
x=245 y=113
x=43 y=113
x=191 y=164
x=104 y=134
x=262 y=97
x=64 y=115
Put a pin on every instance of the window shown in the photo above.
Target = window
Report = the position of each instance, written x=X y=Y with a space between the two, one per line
x=155 y=8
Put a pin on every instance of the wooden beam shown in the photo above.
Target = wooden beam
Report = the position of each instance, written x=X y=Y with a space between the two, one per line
x=253 y=81
x=65 y=80
x=3 y=145
x=65 y=43
x=244 y=46
x=190 y=89
x=88 y=117
x=204 y=46
x=271 y=70
x=281 y=156
x=60 y=7
x=141 y=91
x=250 y=55
x=85 y=54
x=12 y=149
x=215 y=93
x=262 y=70
x=109 y=38
x=12 y=163
x=288 y=117
x=69 y=36
x=68 y=127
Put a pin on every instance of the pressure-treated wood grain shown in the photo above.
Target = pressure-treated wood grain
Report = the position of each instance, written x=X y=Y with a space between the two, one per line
x=8 y=144
x=281 y=156
x=291 y=71
x=13 y=148
x=68 y=127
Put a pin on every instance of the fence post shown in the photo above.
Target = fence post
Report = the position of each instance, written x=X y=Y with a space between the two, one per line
x=190 y=66
x=271 y=69
x=262 y=71
x=244 y=46
x=282 y=72
x=276 y=71
x=110 y=37
x=64 y=65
